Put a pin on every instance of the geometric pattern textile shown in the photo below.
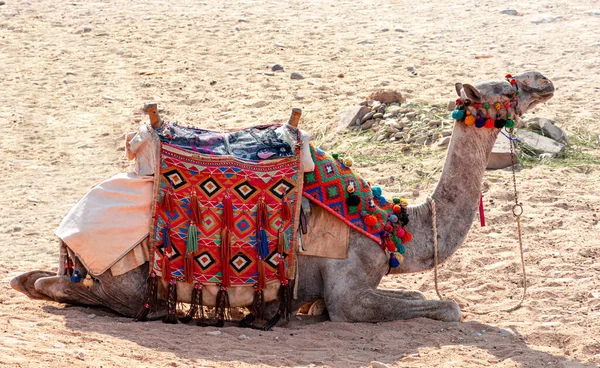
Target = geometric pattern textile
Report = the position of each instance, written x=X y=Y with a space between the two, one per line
x=327 y=187
x=217 y=182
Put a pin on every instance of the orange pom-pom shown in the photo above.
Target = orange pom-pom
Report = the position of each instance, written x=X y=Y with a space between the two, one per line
x=390 y=246
x=406 y=237
x=470 y=120
x=397 y=208
x=370 y=220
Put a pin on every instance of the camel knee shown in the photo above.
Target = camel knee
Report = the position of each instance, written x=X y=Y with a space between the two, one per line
x=451 y=311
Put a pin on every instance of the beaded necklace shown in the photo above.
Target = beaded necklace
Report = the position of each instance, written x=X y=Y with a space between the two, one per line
x=482 y=116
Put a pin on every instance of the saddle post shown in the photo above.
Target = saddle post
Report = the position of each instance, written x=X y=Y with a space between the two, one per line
x=295 y=117
x=152 y=109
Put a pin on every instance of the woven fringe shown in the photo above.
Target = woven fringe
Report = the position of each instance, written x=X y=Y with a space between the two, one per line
x=258 y=303
x=166 y=201
x=188 y=267
x=222 y=308
x=285 y=302
x=262 y=279
x=281 y=242
x=171 y=303
x=196 y=311
x=225 y=257
x=151 y=298
x=286 y=212
x=166 y=263
x=196 y=208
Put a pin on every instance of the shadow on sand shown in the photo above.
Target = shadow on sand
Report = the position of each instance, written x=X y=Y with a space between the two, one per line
x=321 y=343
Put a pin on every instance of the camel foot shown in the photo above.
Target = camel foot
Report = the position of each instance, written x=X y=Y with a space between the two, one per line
x=25 y=284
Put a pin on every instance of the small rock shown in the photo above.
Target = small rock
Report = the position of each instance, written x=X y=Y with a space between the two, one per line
x=348 y=117
x=243 y=20
x=399 y=29
x=443 y=142
x=279 y=44
x=276 y=67
x=33 y=200
x=376 y=364
x=296 y=76
x=299 y=96
x=58 y=345
x=368 y=116
x=16 y=229
x=386 y=96
x=238 y=28
x=341 y=75
x=434 y=123
x=377 y=115
x=243 y=337
x=422 y=140
x=546 y=156
x=411 y=115
x=91 y=316
x=367 y=124
x=399 y=135
x=509 y=12
x=214 y=333
x=69 y=72
x=316 y=75
x=596 y=44
x=552 y=131
x=446 y=133
x=87 y=29
x=2 y=2
x=269 y=74
x=543 y=18
x=593 y=12
x=80 y=355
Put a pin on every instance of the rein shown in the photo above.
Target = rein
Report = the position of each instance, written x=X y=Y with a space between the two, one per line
x=517 y=211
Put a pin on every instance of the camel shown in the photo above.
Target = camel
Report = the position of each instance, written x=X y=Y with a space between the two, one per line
x=349 y=286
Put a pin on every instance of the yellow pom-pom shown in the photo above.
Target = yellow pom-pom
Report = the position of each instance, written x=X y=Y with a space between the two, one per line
x=88 y=282
x=403 y=202
x=399 y=257
x=348 y=161
x=470 y=120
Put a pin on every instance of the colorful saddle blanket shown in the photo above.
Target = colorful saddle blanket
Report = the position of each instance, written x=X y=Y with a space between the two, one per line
x=226 y=206
x=342 y=192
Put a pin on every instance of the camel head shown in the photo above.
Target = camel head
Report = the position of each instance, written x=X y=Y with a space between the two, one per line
x=533 y=88
x=457 y=193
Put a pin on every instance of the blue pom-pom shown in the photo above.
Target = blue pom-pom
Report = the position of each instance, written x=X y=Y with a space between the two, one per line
x=480 y=122
x=393 y=218
x=363 y=213
x=394 y=262
x=401 y=248
x=76 y=277
x=377 y=192
x=458 y=114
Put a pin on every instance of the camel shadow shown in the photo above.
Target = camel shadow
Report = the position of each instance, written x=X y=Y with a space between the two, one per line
x=328 y=343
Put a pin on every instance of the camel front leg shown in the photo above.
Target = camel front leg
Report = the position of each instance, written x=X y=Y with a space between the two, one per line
x=368 y=305
x=401 y=294
x=25 y=284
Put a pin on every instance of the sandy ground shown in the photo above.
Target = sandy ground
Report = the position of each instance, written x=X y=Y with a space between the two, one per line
x=75 y=74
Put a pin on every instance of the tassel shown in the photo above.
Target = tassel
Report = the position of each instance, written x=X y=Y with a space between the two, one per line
x=196 y=209
x=166 y=263
x=190 y=248
x=286 y=212
x=262 y=215
x=247 y=321
x=188 y=267
x=165 y=202
x=151 y=298
x=225 y=257
x=262 y=280
x=285 y=299
x=263 y=244
x=281 y=265
x=258 y=303
x=196 y=312
x=227 y=211
x=171 y=317
x=222 y=307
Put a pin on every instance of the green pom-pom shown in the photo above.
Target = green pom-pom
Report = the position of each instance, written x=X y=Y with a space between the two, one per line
x=486 y=105
x=510 y=123
x=458 y=114
x=335 y=155
x=396 y=200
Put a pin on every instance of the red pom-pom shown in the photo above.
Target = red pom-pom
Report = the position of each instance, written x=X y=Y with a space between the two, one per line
x=508 y=76
x=390 y=246
x=397 y=208
x=489 y=123
x=406 y=237
x=370 y=220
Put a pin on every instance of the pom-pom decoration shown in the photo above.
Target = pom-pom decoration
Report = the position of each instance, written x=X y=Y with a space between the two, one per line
x=377 y=192
x=499 y=123
x=489 y=123
x=370 y=220
x=400 y=232
x=458 y=114
x=407 y=237
x=397 y=208
x=401 y=248
x=394 y=262
x=353 y=200
x=348 y=161
x=480 y=121
x=390 y=246
x=75 y=277
x=393 y=218
x=335 y=155
x=470 y=120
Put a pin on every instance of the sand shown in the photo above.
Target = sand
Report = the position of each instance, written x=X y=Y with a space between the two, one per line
x=75 y=74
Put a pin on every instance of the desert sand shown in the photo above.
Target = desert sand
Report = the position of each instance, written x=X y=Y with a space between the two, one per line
x=74 y=75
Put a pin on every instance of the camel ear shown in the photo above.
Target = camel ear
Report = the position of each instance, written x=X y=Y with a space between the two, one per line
x=472 y=93
x=458 y=87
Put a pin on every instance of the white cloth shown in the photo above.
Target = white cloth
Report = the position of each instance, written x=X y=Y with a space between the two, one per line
x=142 y=148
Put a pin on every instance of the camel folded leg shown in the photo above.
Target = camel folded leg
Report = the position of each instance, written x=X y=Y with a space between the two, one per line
x=62 y=290
x=368 y=305
x=25 y=284
x=401 y=294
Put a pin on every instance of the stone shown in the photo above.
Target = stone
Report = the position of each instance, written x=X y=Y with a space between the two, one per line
x=269 y=74
x=299 y=96
x=593 y=12
x=276 y=67
x=80 y=356
x=238 y=28
x=316 y=75
x=340 y=75
x=500 y=157
x=421 y=140
x=87 y=29
x=243 y=20
x=434 y=123
x=2 y=2
x=16 y=229
x=214 y=333
x=296 y=76
x=539 y=143
x=367 y=124
x=509 y=12
x=446 y=133
x=386 y=96
x=550 y=130
x=368 y=116
x=411 y=115
x=399 y=29
x=348 y=117
x=91 y=316
x=243 y=337
x=279 y=44
x=399 y=135
x=377 y=115
x=544 y=18
x=443 y=142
